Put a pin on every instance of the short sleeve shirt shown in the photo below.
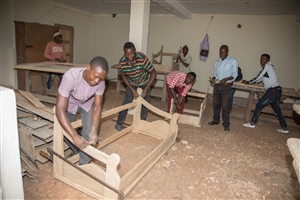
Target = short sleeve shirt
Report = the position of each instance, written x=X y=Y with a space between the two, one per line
x=177 y=79
x=79 y=92
x=139 y=74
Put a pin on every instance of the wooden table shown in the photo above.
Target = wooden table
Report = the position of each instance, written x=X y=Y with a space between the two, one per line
x=259 y=89
x=160 y=69
x=54 y=67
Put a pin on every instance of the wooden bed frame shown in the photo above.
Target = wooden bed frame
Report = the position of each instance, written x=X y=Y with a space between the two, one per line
x=189 y=119
x=66 y=171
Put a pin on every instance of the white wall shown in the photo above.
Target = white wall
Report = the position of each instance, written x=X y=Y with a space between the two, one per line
x=111 y=35
x=51 y=13
x=7 y=50
x=275 y=35
x=104 y=35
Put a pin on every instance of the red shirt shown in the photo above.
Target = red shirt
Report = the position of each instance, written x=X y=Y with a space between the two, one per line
x=177 y=79
x=54 y=50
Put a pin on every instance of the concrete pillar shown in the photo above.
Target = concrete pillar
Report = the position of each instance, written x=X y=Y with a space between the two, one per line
x=139 y=24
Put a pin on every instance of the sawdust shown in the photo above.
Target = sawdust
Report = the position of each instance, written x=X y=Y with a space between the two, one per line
x=207 y=163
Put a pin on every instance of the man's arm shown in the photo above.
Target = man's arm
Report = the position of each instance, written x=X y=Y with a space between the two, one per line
x=96 y=119
x=125 y=79
x=258 y=78
x=61 y=108
x=224 y=80
x=47 y=53
x=185 y=64
x=152 y=79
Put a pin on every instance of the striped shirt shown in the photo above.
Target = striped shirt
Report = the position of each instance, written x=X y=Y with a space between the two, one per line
x=177 y=79
x=138 y=75
x=79 y=92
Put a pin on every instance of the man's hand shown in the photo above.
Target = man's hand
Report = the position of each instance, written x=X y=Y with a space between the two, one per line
x=79 y=141
x=93 y=137
x=135 y=94
x=212 y=80
x=245 y=82
x=223 y=81
x=178 y=106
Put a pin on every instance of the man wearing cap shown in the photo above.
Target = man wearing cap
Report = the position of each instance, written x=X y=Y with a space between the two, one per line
x=55 y=52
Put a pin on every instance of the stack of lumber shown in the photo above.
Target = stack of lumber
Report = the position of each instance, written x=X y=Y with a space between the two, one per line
x=35 y=124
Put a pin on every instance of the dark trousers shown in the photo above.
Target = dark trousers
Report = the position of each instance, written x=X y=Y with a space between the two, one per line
x=221 y=99
x=271 y=96
x=51 y=79
x=128 y=99
x=231 y=99
x=178 y=90
x=86 y=118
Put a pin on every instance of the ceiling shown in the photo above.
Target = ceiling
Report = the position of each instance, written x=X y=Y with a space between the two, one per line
x=185 y=8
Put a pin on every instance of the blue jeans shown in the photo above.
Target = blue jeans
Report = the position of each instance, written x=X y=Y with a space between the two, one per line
x=129 y=98
x=51 y=79
x=86 y=118
x=271 y=96
x=221 y=98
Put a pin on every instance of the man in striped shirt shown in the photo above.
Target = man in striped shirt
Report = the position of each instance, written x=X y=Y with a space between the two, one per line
x=178 y=84
x=137 y=72
x=81 y=91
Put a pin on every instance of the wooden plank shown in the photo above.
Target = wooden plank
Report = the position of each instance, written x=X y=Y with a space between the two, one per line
x=34 y=124
x=54 y=67
x=38 y=111
x=26 y=142
x=49 y=110
x=37 y=142
x=45 y=98
x=43 y=133
x=21 y=113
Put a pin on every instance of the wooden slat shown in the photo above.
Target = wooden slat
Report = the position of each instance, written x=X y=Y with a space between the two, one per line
x=43 y=133
x=21 y=114
x=26 y=142
x=34 y=124
x=28 y=106
x=45 y=98
x=31 y=99
x=38 y=142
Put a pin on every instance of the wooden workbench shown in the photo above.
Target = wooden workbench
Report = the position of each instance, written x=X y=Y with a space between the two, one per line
x=42 y=67
x=259 y=89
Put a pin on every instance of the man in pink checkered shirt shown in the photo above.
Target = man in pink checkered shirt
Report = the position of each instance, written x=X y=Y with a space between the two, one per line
x=81 y=91
x=178 y=84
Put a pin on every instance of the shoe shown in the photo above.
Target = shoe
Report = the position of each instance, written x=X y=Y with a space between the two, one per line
x=118 y=127
x=249 y=125
x=283 y=131
x=226 y=129
x=71 y=155
x=213 y=123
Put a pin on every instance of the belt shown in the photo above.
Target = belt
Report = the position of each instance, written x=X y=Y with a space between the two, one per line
x=277 y=87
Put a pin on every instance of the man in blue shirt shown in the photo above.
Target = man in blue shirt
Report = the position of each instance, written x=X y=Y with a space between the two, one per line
x=225 y=72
